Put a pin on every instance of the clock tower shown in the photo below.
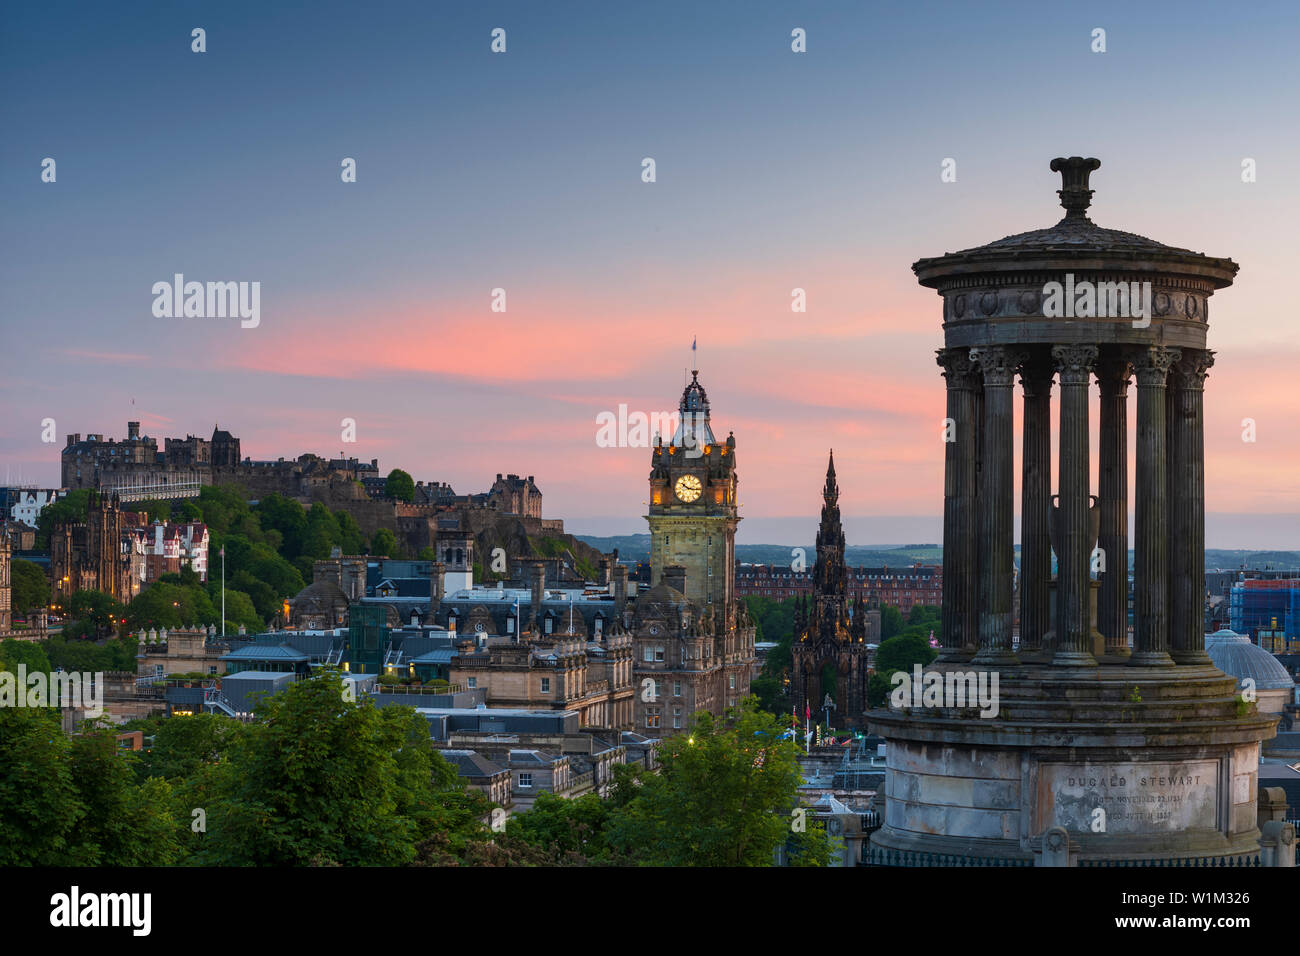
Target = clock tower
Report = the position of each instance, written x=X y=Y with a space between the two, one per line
x=693 y=514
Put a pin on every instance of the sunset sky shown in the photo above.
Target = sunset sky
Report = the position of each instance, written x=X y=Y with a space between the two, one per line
x=522 y=171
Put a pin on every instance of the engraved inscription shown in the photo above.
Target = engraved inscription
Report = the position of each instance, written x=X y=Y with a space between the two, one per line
x=1136 y=798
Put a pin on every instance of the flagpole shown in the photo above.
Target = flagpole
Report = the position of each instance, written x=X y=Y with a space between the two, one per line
x=223 y=592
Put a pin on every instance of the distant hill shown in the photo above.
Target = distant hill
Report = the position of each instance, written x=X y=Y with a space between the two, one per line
x=636 y=547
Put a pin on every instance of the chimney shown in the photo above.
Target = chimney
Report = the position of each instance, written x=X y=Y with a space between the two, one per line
x=132 y=430
x=620 y=590
x=604 y=579
x=538 y=575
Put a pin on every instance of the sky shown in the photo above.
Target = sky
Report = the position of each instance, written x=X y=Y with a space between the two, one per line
x=522 y=171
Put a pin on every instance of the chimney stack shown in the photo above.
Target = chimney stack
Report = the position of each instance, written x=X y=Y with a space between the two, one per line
x=620 y=590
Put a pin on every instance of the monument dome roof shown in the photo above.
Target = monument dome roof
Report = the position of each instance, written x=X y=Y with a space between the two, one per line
x=1076 y=238
x=1237 y=656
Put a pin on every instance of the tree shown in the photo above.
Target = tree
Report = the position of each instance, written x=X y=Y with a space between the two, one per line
x=384 y=543
x=31 y=589
x=900 y=653
x=724 y=796
x=897 y=654
x=315 y=781
x=97 y=612
x=399 y=485
x=126 y=823
x=891 y=621
x=39 y=803
x=568 y=831
x=922 y=614
x=184 y=744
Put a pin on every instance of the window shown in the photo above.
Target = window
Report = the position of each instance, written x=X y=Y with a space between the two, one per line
x=648 y=654
x=652 y=717
x=546 y=685
x=659 y=652
x=157 y=670
x=471 y=683
x=677 y=688
x=677 y=718
x=733 y=681
x=549 y=623
x=525 y=781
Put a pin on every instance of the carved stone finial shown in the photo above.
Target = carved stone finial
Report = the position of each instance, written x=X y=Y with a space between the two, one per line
x=1075 y=195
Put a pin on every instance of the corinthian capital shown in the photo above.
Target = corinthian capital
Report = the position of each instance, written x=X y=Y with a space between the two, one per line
x=1152 y=364
x=957 y=367
x=1193 y=367
x=1074 y=362
x=998 y=363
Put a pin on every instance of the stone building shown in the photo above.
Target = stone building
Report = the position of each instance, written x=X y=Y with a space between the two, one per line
x=556 y=672
x=516 y=496
x=99 y=554
x=693 y=641
x=831 y=631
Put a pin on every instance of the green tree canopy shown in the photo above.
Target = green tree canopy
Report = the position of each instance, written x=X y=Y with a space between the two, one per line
x=724 y=796
x=384 y=543
x=31 y=589
x=399 y=485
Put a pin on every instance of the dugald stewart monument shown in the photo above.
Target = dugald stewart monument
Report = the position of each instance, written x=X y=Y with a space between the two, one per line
x=1107 y=752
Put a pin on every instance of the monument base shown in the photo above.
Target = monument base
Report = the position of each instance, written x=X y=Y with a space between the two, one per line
x=1136 y=763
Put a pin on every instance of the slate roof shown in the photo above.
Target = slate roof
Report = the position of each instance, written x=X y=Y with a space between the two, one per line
x=261 y=652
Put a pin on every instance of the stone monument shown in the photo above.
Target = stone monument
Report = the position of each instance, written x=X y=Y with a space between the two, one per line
x=1119 y=753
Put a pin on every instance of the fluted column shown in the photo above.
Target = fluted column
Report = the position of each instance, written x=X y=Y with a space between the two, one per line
x=1151 y=509
x=1036 y=501
x=1187 y=508
x=997 y=504
x=1073 y=534
x=960 y=596
x=1113 y=376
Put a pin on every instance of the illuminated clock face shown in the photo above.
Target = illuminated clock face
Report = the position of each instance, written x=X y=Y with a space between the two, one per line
x=687 y=488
